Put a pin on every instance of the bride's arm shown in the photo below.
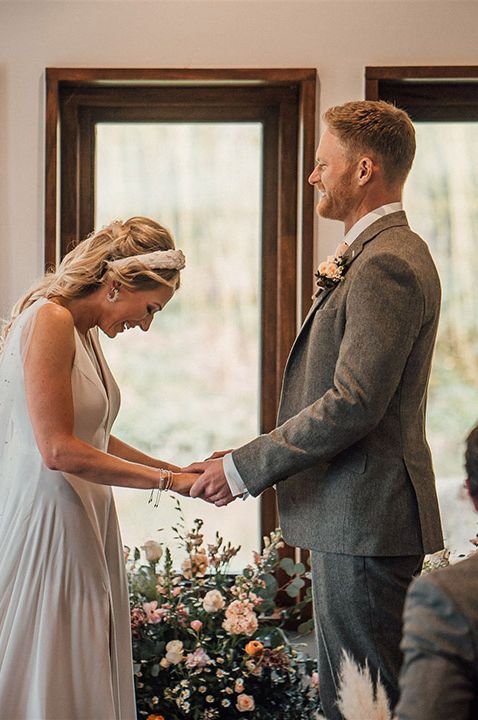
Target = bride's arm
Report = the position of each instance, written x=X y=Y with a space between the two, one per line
x=127 y=452
x=47 y=371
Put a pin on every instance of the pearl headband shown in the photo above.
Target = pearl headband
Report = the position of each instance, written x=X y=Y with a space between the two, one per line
x=159 y=259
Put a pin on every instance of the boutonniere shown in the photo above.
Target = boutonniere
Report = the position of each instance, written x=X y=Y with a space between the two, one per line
x=331 y=272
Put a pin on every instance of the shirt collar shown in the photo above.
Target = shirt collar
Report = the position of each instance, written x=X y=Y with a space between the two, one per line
x=370 y=218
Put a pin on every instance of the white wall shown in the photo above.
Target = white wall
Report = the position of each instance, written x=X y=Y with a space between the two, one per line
x=339 y=37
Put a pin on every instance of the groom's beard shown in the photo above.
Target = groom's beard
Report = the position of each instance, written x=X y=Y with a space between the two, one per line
x=338 y=201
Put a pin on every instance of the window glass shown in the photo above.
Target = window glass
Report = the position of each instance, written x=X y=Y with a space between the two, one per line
x=191 y=384
x=441 y=202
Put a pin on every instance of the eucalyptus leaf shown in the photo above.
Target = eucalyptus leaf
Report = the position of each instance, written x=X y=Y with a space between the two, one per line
x=288 y=565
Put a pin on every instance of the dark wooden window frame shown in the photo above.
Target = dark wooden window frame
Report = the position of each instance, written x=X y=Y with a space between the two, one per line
x=428 y=93
x=282 y=99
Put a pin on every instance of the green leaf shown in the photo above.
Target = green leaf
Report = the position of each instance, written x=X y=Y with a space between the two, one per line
x=137 y=554
x=288 y=565
x=299 y=568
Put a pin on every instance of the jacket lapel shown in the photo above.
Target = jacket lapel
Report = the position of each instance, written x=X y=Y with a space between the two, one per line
x=353 y=251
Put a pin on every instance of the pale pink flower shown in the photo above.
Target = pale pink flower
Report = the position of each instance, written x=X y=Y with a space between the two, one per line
x=240 y=619
x=196 y=625
x=197 y=659
x=213 y=601
x=245 y=703
x=153 y=613
x=195 y=564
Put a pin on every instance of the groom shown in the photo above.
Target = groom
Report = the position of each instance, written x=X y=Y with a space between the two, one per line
x=349 y=456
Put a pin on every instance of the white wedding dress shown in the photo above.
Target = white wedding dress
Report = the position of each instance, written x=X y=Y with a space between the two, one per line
x=65 y=644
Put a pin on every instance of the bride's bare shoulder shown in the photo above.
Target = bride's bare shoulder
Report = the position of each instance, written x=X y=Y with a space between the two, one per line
x=51 y=313
x=53 y=328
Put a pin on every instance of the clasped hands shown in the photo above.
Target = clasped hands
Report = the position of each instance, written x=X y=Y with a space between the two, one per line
x=211 y=484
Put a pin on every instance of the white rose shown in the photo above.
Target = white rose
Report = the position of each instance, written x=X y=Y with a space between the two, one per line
x=213 y=601
x=174 y=652
x=245 y=703
x=152 y=550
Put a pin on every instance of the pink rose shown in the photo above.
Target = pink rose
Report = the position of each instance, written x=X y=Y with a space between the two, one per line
x=245 y=703
x=196 y=625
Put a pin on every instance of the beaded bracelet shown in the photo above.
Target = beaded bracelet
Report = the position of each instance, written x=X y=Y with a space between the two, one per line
x=165 y=482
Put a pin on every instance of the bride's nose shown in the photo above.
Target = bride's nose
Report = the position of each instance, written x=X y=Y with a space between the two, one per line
x=145 y=324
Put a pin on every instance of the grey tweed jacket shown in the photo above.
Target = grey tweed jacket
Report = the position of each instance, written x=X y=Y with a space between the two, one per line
x=349 y=456
x=439 y=677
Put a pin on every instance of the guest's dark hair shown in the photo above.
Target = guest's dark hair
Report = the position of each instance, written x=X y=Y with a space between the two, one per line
x=471 y=461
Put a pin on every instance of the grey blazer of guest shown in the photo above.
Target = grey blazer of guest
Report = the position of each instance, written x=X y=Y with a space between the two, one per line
x=439 y=677
x=349 y=456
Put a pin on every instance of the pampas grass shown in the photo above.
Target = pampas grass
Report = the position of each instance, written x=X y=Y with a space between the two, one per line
x=358 y=698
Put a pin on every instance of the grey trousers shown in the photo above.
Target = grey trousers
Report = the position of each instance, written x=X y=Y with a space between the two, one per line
x=358 y=605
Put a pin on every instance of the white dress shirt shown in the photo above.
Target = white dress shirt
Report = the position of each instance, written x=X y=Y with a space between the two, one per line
x=234 y=480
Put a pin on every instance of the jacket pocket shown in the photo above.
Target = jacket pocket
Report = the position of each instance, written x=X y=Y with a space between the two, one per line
x=351 y=460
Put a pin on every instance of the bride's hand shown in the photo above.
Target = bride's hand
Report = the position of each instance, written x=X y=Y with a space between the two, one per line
x=182 y=482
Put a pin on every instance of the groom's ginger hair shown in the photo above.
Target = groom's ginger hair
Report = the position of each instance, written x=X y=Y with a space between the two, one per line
x=378 y=128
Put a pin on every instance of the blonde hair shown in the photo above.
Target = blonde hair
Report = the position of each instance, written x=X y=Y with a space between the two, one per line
x=377 y=127
x=82 y=270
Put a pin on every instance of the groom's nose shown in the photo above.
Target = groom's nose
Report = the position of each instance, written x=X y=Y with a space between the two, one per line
x=314 y=176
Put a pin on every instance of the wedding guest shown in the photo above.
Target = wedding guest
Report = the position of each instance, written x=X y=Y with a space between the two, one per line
x=439 y=677
x=65 y=644
x=349 y=455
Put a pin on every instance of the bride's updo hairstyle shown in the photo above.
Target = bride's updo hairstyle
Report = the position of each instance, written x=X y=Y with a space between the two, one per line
x=82 y=270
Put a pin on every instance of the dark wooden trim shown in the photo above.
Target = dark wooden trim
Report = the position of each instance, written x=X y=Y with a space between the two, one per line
x=428 y=94
x=148 y=76
x=306 y=195
x=371 y=89
x=419 y=72
x=51 y=169
x=86 y=181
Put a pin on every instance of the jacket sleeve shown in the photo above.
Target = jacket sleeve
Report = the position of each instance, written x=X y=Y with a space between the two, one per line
x=384 y=314
x=436 y=680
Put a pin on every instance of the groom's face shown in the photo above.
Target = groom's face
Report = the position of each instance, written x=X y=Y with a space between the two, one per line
x=333 y=176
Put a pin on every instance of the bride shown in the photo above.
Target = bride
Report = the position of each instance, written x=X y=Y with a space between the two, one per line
x=65 y=649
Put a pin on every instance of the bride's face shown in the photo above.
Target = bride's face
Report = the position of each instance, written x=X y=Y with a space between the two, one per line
x=133 y=308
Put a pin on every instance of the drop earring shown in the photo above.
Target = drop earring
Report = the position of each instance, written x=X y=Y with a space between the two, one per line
x=112 y=294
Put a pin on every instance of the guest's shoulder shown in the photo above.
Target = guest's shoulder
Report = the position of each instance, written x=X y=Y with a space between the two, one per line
x=457 y=583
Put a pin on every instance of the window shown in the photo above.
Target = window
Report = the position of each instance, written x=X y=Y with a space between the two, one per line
x=440 y=200
x=218 y=157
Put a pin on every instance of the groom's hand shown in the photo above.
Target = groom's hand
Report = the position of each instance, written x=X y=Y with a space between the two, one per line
x=211 y=485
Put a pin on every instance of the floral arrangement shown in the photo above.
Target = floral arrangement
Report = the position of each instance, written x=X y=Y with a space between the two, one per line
x=331 y=271
x=208 y=644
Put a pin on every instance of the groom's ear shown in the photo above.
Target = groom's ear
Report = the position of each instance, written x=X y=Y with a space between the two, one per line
x=365 y=170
